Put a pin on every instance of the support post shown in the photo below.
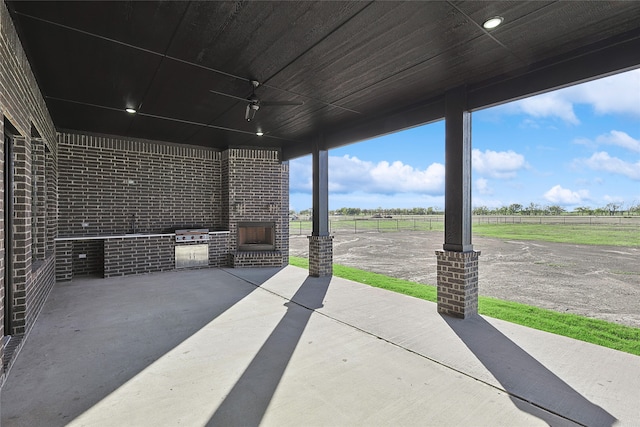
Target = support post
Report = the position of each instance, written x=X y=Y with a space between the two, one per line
x=457 y=278
x=320 y=242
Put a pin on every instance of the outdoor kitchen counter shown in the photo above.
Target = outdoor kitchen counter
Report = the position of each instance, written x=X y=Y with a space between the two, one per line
x=118 y=255
x=126 y=236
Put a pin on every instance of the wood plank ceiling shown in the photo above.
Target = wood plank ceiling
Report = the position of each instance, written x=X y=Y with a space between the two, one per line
x=358 y=69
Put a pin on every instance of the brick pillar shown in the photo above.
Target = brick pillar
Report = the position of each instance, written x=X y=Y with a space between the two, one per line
x=458 y=283
x=320 y=256
x=22 y=233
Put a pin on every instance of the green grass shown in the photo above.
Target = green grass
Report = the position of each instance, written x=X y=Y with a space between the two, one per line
x=605 y=235
x=600 y=332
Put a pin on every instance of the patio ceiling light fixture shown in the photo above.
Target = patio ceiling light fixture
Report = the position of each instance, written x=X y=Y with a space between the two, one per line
x=130 y=110
x=492 y=23
x=259 y=133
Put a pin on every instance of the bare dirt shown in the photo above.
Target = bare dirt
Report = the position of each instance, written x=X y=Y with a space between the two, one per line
x=595 y=281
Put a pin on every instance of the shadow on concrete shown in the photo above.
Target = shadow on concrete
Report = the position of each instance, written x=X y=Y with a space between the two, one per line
x=94 y=335
x=247 y=402
x=527 y=381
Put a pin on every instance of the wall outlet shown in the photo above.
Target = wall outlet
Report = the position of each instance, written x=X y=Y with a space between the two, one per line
x=82 y=256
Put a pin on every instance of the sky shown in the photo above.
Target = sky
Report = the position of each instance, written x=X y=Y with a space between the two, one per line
x=574 y=147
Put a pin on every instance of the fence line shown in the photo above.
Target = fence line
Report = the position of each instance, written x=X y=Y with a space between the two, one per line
x=436 y=222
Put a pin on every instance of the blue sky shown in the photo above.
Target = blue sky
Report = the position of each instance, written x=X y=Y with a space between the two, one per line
x=577 y=146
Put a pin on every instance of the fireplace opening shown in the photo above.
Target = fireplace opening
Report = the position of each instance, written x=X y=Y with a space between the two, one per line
x=256 y=236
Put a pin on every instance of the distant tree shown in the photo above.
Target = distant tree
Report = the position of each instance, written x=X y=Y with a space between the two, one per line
x=515 y=208
x=634 y=209
x=532 y=209
x=613 y=208
x=582 y=210
x=555 y=210
x=600 y=211
x=480 y=210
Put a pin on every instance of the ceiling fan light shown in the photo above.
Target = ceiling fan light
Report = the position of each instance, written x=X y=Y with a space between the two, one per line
x=130 y=110
x=259 y=133
x=250 y=112
x=493 y=22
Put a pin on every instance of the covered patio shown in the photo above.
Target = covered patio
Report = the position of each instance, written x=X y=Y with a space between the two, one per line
x=129 y=127
x=273 y=346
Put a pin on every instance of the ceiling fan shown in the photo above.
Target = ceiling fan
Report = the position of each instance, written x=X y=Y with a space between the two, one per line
x=254 y=103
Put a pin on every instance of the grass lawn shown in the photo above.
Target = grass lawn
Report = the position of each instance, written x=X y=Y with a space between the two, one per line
x=606 y=334
x=606 y=235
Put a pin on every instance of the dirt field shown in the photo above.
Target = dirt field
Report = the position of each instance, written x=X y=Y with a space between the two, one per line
x=595 y=281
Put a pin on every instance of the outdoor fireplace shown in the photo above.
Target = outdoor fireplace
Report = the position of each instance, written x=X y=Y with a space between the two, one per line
x=256 y=236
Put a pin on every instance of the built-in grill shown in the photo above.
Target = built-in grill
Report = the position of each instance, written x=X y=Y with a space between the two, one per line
x=193 y=235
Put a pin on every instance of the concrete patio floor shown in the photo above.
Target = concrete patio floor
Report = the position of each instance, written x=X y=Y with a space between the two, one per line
x=242 y=347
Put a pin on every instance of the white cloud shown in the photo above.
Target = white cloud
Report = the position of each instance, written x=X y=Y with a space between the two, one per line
x=482 y=185
x=300 y=180
x=617 y=94
x=602 y=161
x=349 y=174
x=564 y=196
x=497 y=164
x=621 y=139
x=551 y=104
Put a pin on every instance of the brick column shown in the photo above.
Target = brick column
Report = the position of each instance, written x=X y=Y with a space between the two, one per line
x=320 y=256
x=22 y=233
x=458 y=283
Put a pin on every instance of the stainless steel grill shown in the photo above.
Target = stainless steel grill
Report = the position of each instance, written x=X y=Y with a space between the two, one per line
x=195 y=235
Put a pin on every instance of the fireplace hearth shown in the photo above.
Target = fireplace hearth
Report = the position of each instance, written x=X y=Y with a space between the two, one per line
x=256 y=236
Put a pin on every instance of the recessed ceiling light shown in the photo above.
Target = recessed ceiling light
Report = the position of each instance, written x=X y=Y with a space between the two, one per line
x=130 y=110
x=493 y=22
x=259 y=133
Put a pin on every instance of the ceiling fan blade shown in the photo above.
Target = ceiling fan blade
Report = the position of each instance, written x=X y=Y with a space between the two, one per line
x=228 y=96
x=280 y=103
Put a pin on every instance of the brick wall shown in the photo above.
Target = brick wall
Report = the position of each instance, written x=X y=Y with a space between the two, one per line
x=64 y=260
x=110 y=183
x=43 y=279
x=24 y=115
x=219 y=250
x=124 y=256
